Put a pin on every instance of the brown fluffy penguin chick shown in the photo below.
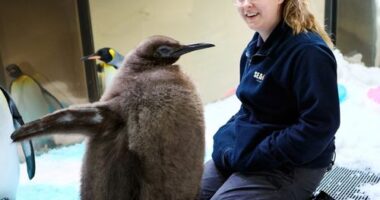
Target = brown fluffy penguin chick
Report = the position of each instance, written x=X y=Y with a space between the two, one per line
x=146 y=134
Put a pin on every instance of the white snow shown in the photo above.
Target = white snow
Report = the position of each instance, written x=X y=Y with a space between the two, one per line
x=357 y=140
x=372 y=191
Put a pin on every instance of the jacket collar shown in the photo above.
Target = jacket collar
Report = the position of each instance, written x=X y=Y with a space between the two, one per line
x=257 y=47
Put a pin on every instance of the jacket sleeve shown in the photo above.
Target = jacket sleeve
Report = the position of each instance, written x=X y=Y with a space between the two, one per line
x=224 y=137
x=314 y=84
x=223 y=141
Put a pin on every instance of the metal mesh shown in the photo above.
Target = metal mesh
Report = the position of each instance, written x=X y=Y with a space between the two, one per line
x=343 y=184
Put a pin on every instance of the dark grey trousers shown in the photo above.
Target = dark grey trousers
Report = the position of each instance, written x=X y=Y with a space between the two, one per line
x=297 y=184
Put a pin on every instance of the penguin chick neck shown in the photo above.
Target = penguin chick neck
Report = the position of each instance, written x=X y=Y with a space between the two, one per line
x=159 y=51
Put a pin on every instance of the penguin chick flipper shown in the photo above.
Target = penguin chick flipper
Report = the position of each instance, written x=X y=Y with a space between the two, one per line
x=89 y=120
x=27 y=148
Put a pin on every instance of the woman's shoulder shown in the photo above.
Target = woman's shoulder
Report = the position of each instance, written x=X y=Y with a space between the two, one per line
x=304 y=46
x=309 y=39
x=305 y=42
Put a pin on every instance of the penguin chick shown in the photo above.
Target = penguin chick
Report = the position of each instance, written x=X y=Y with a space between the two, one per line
x=146 y=133
x=107 y=55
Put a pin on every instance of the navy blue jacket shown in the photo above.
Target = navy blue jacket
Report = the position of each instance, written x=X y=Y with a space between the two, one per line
x=290 y=106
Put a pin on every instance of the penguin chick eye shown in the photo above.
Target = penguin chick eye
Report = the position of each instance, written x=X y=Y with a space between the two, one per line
x=163 y=52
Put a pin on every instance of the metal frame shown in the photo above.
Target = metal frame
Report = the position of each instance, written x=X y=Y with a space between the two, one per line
x=342 y=183
x=331 y=8
x=2 y=75
x=88 y=48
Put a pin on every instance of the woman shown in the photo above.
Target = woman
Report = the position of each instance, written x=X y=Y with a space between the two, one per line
x=281 y=141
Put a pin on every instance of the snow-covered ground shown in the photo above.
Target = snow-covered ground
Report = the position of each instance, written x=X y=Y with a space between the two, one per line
x=357 y=140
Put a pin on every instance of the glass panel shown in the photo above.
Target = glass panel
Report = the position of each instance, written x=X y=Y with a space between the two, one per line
x=358 y=29
x=42 y=39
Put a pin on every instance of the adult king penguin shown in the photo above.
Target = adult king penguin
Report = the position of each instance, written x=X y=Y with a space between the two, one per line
x=111 y=60
x=106 y=73
x=107 y=55
x=32 y=100
x=145 y=134
x=9 y=163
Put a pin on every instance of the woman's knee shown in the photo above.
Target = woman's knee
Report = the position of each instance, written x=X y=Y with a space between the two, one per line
x=211 y=181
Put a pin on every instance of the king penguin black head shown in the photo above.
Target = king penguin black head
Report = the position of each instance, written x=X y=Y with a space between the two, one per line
x=162 y=50
x=104 y=54
x=13 y=71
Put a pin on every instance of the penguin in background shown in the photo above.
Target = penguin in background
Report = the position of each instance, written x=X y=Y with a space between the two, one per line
x=9 y=163
x=145 y=134
x=106 y=73
x=111 y=60
x=33 y=101
x=107 y=55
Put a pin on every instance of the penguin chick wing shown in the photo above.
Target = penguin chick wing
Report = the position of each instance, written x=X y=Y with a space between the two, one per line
x=90 y=120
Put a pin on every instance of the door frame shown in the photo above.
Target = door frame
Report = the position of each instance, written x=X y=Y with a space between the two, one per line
x=84 y=15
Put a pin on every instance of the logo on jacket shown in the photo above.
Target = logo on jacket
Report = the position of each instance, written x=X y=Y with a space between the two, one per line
x=258 y=76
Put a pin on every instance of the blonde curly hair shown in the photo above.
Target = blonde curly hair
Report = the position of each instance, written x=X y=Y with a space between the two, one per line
x=297 y=15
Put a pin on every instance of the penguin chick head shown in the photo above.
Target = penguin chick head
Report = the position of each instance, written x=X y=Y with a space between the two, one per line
x=160 y=50
x=13 y=71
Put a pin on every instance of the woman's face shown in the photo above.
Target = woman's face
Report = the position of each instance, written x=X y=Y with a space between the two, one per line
x=260 y=15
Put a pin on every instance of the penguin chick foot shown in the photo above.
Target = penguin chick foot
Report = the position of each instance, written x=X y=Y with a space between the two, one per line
x=90 y=121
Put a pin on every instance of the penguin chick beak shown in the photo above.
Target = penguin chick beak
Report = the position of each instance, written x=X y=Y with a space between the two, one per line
x=91 y=57
x=189 y=48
